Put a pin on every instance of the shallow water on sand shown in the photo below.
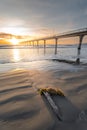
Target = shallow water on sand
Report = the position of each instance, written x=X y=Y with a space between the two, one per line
x=37 y=58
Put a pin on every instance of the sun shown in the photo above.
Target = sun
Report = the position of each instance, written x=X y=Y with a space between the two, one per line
x=14 y=41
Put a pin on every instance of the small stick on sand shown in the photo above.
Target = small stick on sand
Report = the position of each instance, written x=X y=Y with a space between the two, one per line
x=53 y=105
x=51 y=91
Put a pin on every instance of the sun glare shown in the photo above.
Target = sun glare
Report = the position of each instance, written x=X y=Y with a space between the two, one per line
x=14 y=41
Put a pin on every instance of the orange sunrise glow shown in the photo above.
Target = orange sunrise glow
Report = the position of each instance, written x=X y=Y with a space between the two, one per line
x=14 y=41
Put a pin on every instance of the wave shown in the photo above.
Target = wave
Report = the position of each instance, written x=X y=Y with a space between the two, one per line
x=66 y=60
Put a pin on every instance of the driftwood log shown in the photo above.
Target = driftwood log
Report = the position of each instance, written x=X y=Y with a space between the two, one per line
x=53 y=105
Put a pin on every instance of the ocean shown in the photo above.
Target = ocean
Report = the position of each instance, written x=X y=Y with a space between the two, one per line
x=27 y=57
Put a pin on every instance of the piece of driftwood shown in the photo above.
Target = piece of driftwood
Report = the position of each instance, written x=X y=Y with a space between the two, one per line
x=53 y=105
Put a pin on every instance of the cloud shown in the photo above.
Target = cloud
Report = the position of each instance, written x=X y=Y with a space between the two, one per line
x=43 y=15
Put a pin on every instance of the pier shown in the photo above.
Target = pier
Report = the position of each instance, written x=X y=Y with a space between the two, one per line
x=75 y=33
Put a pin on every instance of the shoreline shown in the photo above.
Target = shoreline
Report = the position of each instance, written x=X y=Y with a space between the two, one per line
x=23 y=108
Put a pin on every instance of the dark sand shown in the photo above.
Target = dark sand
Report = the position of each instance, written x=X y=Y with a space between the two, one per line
x=23 y=108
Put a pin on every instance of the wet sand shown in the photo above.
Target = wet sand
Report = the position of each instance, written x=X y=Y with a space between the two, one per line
x=23 y=108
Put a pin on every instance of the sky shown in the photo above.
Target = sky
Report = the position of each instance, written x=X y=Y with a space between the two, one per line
x=42 y=17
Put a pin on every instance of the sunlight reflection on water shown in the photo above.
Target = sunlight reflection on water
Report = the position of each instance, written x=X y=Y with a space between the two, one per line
x=16 y=55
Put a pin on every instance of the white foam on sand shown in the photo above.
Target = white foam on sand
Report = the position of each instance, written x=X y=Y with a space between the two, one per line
x=41 y=65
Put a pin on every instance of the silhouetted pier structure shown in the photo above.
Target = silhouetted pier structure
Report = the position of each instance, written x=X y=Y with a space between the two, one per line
x=75 y=33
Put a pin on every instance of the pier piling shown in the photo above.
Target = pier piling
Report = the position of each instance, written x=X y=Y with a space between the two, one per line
x=79 y=49
x=44 y=46
x=56 y=39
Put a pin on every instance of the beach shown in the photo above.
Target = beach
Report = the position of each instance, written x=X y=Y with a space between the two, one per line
x=23 y=108
x=43 y=65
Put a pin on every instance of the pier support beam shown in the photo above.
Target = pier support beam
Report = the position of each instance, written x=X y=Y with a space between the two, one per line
x=37 y=46
x=29 y=43
x=37 y=43
x=33 y=43
x=44 y=46
x=56 y=39
x=79 y=49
